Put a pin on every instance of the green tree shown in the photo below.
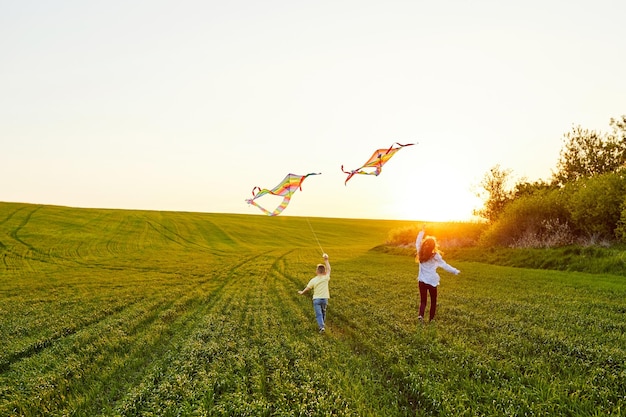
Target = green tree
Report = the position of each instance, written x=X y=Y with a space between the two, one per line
x=587 y=153
x=525 y=188
x=619 y=128
x=495 y=193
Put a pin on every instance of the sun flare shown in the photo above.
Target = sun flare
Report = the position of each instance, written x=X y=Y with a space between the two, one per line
x=445 y=200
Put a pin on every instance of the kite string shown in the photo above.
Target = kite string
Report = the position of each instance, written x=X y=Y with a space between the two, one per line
x=318 y=241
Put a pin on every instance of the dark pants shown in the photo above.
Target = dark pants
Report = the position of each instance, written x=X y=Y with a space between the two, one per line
x=426 y=289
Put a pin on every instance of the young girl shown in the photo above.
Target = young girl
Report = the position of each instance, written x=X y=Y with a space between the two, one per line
x=321 y=294
x=429 y=259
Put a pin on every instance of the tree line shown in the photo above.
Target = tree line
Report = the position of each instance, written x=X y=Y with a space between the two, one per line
x=584 y=201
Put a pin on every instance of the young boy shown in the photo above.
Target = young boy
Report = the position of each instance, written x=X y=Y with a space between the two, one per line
x=321 y=293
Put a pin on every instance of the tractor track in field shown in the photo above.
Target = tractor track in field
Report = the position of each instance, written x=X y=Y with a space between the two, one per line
x=40 y=345
x=221 y=306
x=14 y=233
x=293 y=302
x=154 y=314
x=357 y=341
x=174 y=236
x=23 y=223
x=57 y=336
x=229 y=293
x=16 y=252
x=19 y=253
x=11 y=214
x=11 y=254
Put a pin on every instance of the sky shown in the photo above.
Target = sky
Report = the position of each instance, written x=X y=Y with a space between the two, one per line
x=188 y=105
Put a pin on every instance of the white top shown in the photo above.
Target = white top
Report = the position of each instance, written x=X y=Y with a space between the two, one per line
x=428 y=270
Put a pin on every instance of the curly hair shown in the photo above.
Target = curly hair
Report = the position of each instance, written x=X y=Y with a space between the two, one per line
x=428 y=249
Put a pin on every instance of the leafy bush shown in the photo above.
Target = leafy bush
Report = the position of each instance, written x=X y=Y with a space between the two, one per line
x=536 y=220
x=587 y=153
x=596 y=204
x=620 y=231
x=449 y=234
x=588 y=259
x=590 y=182
x=588 y=211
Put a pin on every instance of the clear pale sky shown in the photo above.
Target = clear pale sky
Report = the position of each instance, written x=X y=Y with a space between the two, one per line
x=187 y=105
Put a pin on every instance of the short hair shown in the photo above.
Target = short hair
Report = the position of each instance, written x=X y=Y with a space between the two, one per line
x=321 y=269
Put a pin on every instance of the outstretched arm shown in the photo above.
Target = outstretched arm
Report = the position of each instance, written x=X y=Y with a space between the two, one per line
x=449 y=268
x=446 y=266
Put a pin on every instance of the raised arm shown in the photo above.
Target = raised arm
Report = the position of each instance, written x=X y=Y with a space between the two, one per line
x=325 y=256
x=420 y=236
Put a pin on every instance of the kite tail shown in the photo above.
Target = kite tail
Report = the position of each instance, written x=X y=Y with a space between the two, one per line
x=282 y=206
x=276 y=211
x=402 y=146
x=376 y=172
x=350 y=174
x=253 y=203
x=305 y=176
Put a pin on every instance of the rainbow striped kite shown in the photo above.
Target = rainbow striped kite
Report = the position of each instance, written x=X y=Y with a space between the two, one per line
x=376 y=161
x=289 y=185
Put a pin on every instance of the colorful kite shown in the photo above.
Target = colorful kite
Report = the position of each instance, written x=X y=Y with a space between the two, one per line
x=289 y=185
x=376 y=161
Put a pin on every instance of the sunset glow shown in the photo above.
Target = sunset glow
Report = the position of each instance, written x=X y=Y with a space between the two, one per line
x=149 y=105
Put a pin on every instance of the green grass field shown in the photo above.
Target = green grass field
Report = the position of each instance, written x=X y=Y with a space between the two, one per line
x=138 y=313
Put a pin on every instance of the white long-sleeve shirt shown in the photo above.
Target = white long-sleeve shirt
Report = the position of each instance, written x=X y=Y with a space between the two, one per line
x=428 y=270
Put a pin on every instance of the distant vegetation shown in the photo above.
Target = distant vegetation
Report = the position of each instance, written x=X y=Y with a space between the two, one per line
x=584 y=203
x=137 y=313
x=449 y=234
x=575 y=222
x=460 y=241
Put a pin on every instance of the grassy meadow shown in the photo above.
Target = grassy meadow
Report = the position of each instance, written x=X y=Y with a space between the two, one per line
x=145 y=313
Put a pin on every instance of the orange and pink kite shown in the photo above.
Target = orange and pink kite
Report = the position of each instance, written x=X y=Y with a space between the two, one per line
x=374 y=165
x=292 y=182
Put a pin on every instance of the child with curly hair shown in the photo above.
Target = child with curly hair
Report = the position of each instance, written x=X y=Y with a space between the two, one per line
x=429 y=260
